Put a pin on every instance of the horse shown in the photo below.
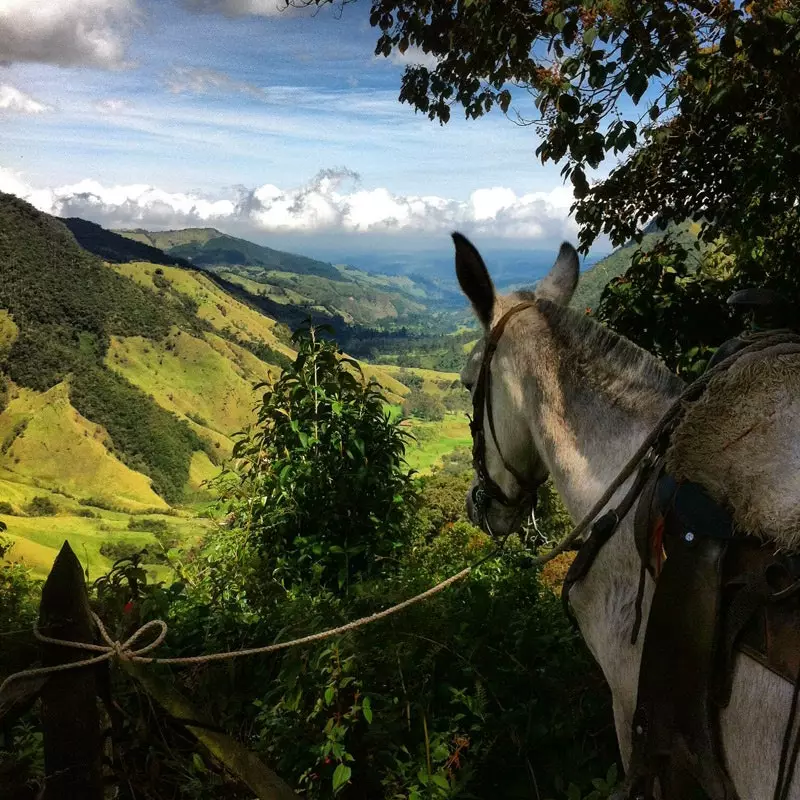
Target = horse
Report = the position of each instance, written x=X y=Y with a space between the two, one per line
x=572 y=400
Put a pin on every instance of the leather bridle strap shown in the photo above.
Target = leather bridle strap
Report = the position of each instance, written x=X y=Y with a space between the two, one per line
x=482 y=404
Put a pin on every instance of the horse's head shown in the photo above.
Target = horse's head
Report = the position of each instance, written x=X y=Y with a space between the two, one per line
x=508 y=467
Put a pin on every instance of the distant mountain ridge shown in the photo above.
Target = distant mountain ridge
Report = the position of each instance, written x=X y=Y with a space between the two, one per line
x=118 y=249
x=289 y=286
x=208 y=247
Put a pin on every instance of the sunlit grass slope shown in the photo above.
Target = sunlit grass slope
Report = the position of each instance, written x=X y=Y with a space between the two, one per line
x=44 y=440
x=208 y=380
x=215 y=306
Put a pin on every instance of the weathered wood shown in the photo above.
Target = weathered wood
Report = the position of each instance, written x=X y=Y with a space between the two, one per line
x=236 y=758
x=70 y=719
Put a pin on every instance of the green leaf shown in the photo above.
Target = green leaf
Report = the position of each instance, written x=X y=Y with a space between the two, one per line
x=340 y=777
x=569 y=104
x=366 y=708
x=589 y=35
x=440 y=780
x=198 y=763
x=329 y=692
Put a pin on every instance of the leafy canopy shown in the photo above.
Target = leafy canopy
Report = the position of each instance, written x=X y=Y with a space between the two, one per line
x=705 y=89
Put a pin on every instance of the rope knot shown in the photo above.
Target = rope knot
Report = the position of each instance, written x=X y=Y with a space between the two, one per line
x=125 y=651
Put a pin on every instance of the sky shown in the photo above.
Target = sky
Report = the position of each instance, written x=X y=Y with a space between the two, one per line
x=280 y=126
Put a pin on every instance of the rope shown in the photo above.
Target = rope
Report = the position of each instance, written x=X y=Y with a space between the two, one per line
x=126 y=651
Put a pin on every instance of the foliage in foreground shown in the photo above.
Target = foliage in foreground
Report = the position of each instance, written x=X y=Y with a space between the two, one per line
x=482 y=691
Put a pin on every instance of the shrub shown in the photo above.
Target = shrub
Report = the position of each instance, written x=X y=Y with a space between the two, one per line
x=325 y=464
x=6 y=507
x=148 y=524
x=41 y=506
x=424 y=406
x=116 y=551
x=85 y=512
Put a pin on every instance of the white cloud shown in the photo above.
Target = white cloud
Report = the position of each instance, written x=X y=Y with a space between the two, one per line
x=12 y=99
x=112 y=105
x=332 y=202
x=239 y=8
x=413 y=55
x=200 y=80
x=66 y=32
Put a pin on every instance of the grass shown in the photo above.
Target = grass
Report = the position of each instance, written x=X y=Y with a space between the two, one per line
x=37 y=540
x=215 y=306
x=436 y=440
x=208 y=380
x=61 y=449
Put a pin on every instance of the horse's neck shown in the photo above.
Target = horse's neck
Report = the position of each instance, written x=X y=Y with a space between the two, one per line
x=586 y=436
x=587 y=447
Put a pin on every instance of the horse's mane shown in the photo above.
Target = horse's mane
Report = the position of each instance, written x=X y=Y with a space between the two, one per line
x=599 y=351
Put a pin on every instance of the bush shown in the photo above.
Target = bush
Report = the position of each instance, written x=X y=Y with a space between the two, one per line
x=148 y=524
x=85 y=512
x=41 y=506
x=423 y=406
x=325 y=464
x=6 y=507
x=100 y=502
x=116 y=551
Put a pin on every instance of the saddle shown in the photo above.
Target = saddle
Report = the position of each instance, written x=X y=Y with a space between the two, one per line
x=718 y=591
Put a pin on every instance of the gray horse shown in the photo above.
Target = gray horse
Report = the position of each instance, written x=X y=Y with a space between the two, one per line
x=573 y=400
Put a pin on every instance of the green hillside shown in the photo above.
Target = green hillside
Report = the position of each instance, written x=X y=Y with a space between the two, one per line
x=111 y=246
x=594 y=280
x=121 y=385
x=208 y=247
x=289 y=287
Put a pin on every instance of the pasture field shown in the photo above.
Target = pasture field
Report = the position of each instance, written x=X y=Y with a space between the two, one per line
x=37 y=539
x=435 y=440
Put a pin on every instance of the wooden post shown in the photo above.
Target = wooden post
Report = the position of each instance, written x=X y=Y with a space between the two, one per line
x=70 y=719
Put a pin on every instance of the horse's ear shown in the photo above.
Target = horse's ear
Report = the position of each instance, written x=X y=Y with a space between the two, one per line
x=559 y=284
x=474 y=278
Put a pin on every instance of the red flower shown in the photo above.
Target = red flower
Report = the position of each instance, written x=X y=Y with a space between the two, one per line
x=128 y=607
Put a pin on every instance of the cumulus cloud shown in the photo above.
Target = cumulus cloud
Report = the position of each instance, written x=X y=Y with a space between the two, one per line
x=238 y=8
x=67 y=32
x=333 y=201
x=15 y=101
x=200 y=80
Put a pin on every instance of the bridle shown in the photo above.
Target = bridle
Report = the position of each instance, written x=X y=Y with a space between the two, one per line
x=487 y=490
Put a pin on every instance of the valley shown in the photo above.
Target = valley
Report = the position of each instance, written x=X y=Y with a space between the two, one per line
x=123 y=382
x=128 y=361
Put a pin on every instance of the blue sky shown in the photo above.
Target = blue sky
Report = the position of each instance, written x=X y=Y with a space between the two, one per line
x=282 y=127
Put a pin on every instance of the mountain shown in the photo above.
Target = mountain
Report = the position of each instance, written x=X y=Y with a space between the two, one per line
x=121 y=386
x=285 y=283
x=121 y=383
x=113 y=247
x=208 y=247
x=594 y=280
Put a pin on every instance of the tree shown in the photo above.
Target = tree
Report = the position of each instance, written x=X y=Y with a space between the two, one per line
x=319 y=486
x=699 y=98
x=714 y=80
